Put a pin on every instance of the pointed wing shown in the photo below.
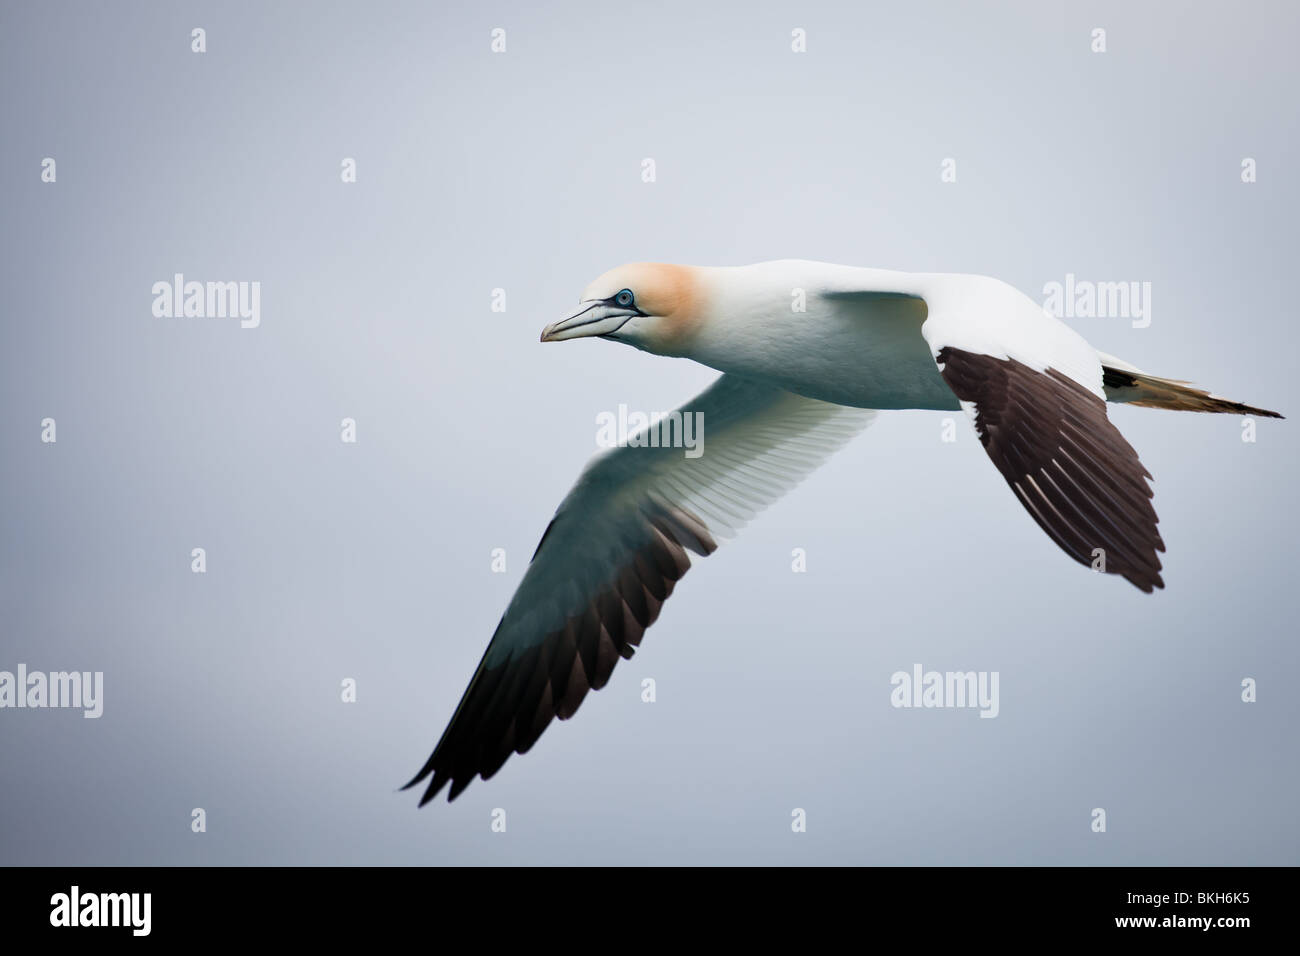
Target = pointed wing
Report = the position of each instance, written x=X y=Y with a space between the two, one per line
x=614 y=552
x=1034 y=391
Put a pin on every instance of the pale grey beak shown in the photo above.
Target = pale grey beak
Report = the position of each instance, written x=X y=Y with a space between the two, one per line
x=594 y=317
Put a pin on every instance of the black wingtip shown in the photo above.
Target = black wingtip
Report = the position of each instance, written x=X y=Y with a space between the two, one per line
x=435 y=786
x=458 y=787
x=1146 y=585
x=424 y=772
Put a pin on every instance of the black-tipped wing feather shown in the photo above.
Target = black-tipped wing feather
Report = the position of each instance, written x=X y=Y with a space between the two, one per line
x=613 y=553
x=507 y=706
x=1069 y=466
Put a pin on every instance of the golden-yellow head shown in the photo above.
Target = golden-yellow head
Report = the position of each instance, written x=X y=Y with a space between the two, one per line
x=651 y=305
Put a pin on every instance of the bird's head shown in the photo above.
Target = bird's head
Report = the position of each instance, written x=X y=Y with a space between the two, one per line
x=653 y=306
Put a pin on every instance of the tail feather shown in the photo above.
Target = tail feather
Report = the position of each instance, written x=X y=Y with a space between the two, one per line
x=1124 y=383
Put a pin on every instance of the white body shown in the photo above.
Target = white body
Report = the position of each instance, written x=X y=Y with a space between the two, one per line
x=854 y=349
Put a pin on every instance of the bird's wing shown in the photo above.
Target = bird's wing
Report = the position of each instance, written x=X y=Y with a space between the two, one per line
x=1033 y=389
x=613 y=553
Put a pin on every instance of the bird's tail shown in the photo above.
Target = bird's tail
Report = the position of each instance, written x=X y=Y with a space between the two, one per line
x=1124 y=383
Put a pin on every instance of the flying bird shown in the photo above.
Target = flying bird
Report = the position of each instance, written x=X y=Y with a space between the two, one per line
x=810 y=352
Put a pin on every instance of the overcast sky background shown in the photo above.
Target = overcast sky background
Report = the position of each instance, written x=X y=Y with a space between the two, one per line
x=522 y=171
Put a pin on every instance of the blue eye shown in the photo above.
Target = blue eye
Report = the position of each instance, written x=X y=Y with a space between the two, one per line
x=624 y=298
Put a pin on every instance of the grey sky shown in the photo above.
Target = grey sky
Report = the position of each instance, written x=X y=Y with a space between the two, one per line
x=522 y=171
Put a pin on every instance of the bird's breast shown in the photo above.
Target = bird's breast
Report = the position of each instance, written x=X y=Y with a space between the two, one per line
x=867 y=353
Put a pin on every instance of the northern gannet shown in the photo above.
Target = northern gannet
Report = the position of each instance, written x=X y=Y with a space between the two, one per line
x=796 y=386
